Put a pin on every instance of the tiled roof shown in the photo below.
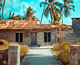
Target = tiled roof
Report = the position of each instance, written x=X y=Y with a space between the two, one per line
x=8 y=21
x=23 y=24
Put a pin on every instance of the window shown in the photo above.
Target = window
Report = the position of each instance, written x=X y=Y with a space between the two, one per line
x=19 y=37
x=47 y=37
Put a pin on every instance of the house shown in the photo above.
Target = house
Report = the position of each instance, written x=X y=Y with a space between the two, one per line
x=76 y=26
x=29 y=32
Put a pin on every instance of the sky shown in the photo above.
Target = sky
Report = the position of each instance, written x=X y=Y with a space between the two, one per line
x=18 y=6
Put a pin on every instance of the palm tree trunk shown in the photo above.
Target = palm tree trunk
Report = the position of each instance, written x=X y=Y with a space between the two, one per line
x=62 y=19
x=3 y=9
x=43 y=11
x=51 y=16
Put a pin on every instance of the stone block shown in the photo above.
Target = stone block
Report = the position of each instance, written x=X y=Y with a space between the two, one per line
x=14 y=55
x=75 y=55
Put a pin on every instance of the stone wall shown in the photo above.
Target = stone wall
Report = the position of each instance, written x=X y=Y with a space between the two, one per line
x=3 y=57
x=76 y=26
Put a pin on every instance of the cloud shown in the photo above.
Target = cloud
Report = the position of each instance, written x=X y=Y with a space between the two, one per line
x=14 y=6
x=31 y=2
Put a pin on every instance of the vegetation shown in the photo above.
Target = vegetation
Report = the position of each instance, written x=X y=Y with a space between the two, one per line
x=63 y=26
x=23 y=49
x=67 y=6
x=56 y=11
x=28 y=15
x=62 y=51
x=52 y=9
x=5 y=44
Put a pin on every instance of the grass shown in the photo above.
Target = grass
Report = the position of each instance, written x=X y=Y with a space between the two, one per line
x=62 y=51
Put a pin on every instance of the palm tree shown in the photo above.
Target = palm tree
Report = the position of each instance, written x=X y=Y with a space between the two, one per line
x=18 y=17
x=67 y=6
x=3 y=9
x=11 y=17
x=52 y=9
x=29 y=14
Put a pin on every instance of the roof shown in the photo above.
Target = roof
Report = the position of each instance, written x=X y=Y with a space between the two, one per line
x=8 y=21
x=24 y=24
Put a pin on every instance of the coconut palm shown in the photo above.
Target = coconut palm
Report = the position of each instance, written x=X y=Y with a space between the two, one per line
x=11 y=17
x=52 y=9
x=18 y=17
x=29 y=14
x=67 y=6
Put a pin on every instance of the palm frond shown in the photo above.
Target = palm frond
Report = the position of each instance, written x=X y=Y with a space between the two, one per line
x=43 y=3
x=10 y=15
x=46 y=12
x=72 y=5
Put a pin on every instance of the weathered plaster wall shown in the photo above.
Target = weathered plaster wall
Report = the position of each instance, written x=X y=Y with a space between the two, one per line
x=9 y=35
x=40 y=38
x=76 y=26
x=54 y=36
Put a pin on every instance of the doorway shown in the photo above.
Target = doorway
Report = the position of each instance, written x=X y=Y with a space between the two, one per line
x=33 y=39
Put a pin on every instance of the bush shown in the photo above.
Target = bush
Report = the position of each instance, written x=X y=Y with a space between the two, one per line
x=78 y=43
x=56 y=47
x=64 y=56
x=4 y=44
x=62 y=51
x=13 y=43
x=23 y=49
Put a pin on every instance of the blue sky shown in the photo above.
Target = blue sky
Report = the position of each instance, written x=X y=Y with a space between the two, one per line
x=17 y=6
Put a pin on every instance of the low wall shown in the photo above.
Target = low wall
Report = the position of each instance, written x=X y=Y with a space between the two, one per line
x=4 y=57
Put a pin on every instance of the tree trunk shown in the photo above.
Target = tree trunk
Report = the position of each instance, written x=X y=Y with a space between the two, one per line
x=3 y=9
x=43 y=11
x=62 y=19
x=51 y=16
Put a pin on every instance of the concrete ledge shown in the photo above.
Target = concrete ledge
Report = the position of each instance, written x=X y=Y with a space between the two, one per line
x=60 y=63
